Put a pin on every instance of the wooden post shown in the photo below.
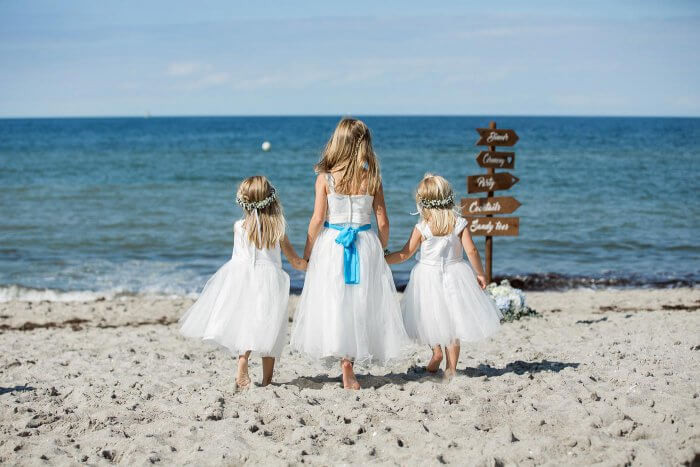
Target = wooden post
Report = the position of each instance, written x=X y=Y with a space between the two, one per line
x=489 y=239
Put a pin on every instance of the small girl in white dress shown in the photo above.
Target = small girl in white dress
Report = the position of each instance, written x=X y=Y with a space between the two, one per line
x=243 y=307
x=348 y=309
x=444 y=303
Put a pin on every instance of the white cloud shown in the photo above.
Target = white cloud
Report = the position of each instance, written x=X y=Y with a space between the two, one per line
x=213 y=79
x=185 y=68
x=196 y=75
x=589 y=103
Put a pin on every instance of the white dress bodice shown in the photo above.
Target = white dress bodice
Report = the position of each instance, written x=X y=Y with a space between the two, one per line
x=443 y=249
x=348 y=209
x=244 y=249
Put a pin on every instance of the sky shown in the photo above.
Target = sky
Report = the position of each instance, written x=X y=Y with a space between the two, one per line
x=131 y=58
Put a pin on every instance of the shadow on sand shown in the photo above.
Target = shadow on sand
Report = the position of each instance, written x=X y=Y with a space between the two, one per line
x=517 y=367
x=419 y=374
x=16 y=389
x=369 y=380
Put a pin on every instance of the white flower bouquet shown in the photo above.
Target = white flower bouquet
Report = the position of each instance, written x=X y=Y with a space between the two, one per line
x=509 y=300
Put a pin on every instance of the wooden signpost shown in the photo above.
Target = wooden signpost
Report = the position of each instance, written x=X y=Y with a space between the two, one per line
x=495 y=205
x=489 y=183
x=493 y=226
x=493 y=137
x=496 y=160
x=479 y=211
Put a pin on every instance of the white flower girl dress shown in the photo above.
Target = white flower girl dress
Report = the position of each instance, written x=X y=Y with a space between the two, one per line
x=244 y=304
x=349 y=308
x=443 y=301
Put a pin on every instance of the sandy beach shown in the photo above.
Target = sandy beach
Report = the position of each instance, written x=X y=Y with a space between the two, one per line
x=605 y=377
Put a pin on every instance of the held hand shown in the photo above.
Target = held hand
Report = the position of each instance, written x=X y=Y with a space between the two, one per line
x=481 y=280
x=303 y=264
x=299 y=264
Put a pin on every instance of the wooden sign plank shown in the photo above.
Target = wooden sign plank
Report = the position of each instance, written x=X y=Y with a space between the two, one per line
x=490 y=182
x=496 y=160
x=493 y=226
x=496 y=137
x=493 y=205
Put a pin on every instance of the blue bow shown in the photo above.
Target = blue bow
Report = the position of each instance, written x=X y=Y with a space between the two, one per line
x=346 y=237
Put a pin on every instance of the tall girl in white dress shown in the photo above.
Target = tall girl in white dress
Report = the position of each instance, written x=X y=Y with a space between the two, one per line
x=348 y=308
x=444 y=303
x=243 y=307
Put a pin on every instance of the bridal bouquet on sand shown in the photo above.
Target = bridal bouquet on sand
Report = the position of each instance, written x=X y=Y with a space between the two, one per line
x=509 y=300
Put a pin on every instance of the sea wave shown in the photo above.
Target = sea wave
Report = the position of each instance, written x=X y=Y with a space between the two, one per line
x=526 y=282
x=20 y=293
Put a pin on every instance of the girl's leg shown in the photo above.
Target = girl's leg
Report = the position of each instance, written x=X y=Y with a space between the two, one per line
x=434 y=363
x=242 y=378
x=268 y=364
x=452 y=359
x=349 y=379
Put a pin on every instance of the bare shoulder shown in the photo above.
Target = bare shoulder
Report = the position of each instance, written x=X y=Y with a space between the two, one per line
x=379 y=193
x=321 y=181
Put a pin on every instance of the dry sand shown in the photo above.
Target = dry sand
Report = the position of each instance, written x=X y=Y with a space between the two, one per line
x=609 y=377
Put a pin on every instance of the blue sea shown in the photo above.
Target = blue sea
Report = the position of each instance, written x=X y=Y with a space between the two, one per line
x=107 y=206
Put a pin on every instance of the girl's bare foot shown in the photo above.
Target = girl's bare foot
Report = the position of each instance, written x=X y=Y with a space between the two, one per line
x=434 y=363
x=449 y=374
x=268 y=364
x=242 y=378
x=242 y=382
x=451 y=363
x=349 y=379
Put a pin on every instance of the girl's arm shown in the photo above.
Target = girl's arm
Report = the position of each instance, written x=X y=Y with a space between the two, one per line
x=382 y=217
x=318 y=217
x=408 y=249
x=292 y=256
x=473 y=255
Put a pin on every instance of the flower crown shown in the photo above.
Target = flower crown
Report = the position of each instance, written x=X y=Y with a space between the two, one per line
x=444 y=203
x=262 y=204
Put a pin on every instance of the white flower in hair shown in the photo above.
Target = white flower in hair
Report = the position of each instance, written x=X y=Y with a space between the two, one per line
x=443 y=203
x=258 y=205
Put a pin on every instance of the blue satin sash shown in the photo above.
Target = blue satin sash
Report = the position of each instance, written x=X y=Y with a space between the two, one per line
x=346 y=237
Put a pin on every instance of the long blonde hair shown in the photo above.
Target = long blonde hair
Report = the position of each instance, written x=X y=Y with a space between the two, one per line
x=435 y=201
x=265 y=224
x=350 y=149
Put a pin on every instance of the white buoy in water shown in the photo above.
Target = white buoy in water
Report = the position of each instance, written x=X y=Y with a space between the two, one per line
x=266 y=146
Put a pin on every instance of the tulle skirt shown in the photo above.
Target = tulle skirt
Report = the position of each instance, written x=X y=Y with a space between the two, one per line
x=357 y=321
x=242 y=307
x=441 y=307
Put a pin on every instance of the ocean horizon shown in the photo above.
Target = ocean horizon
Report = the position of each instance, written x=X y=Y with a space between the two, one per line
x=338 y=116
x=103 y=206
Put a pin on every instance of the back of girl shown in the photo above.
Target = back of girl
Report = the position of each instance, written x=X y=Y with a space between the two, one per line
x=444 y=303
x=348 y=309
x=243 y=307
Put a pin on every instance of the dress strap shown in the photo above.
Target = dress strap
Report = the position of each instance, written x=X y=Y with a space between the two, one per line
x=460 y=225
x=331 y=182
x=423 y=228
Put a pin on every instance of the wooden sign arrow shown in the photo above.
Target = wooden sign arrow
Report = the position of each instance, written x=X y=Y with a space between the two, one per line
x=493 y=205
x=496 y=160
x=493 y=226
x=496 y=137
x=486 y=182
